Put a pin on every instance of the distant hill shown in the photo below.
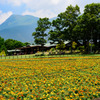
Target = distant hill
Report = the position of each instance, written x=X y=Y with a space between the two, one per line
x=19 y=27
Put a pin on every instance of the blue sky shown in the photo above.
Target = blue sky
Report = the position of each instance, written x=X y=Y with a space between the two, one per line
x=38 y=8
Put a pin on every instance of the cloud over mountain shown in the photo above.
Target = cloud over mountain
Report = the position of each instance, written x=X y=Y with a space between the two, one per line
x=39 y=8
x=4 y=16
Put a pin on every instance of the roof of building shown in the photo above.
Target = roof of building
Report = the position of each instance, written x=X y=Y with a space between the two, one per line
x=49 y=45
x=14 y=50
x=46 y=45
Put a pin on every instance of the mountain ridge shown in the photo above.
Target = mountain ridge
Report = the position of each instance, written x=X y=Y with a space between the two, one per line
x=19 y=27
x=16 y=20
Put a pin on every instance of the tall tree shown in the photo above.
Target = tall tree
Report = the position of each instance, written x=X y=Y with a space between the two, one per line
x=88 y=25
x=56 y=35
x=40 y=34
x=92 y=13
x=82 y=31
x=64 y=25
x=70 y=16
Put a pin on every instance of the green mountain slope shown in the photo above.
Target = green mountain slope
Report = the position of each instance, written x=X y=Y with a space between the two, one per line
x=19 y=27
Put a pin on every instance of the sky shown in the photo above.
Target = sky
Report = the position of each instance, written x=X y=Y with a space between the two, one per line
x=38 y=8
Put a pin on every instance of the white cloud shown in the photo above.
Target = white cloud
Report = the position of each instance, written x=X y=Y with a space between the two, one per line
x=0 y=11
x=38 y=3
x=15 y=2
x=12 y=2
x=39 y=8
x=4 y=16
x=41 y=13
x=55 y=1
x=47 y=7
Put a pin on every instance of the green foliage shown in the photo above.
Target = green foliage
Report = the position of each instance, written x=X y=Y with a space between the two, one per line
x=26 y=43
x=57 y=34
x=60 y=45
x=82 y=49
x=18 y=44
x=64 y=25
x=70 y=17
x=12 y=44
x=40 y=41
x=2 y=45
x=69 y=48
x=93 y=45
x=74 y=44
x=3 y=53
x=52 y=49
x=1 y=42
x=3 y=48
x=88 y=24
x=39 y=35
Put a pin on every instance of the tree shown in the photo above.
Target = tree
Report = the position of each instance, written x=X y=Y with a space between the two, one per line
x=64 y=25
x=82 y=31
x=70 y=16
x=12 y=44
x=18 y=44
x=2 y=45
x=74 y=44
x=56 y=35
x=60 y=46
x=88 y=26
x=9 y=43
x=92 y=13
x=40 y=34
x=3 y=48
x=3 y=53
x=1 y=41
x=27 y=43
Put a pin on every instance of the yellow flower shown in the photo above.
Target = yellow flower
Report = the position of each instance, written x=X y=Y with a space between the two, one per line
x=52 y=93
x=63 y=91
x=12 y=92
x=71 y=96
x=25 y=99
x=31 y=96
x=4 y=92
x=48 y=84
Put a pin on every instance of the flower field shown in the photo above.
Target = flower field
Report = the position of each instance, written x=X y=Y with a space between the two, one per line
x=61 y=78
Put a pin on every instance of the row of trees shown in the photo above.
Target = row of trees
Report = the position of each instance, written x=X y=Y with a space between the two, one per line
x=10 y=44
x=73 y=26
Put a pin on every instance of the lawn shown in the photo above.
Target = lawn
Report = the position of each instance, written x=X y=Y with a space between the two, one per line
x=61 y=78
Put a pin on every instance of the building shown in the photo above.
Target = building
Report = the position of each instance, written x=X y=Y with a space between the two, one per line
x=13 y=52
x=30 y=49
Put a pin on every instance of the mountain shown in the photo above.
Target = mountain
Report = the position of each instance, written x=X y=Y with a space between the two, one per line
x=19 y=27
x=18 y=20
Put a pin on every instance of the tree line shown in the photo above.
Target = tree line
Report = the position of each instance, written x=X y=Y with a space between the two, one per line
x=10 y=44
x=73 y=26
